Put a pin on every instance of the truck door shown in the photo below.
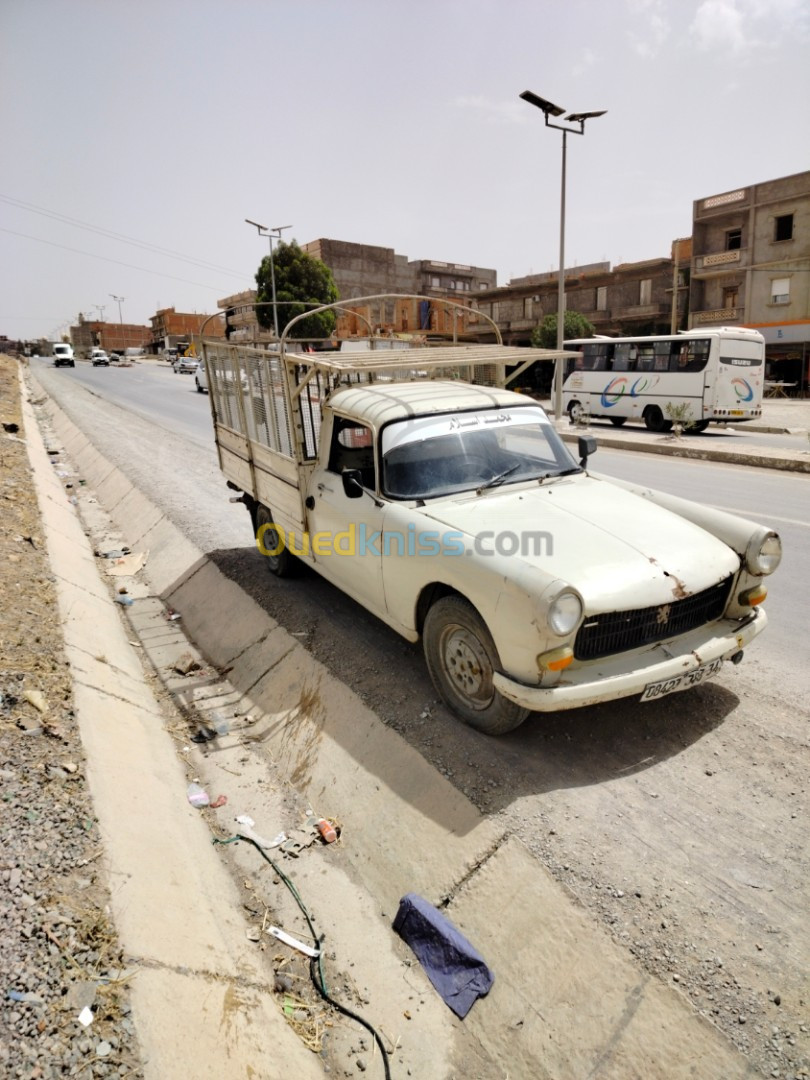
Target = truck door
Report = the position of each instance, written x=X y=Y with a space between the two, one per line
x=345 y=533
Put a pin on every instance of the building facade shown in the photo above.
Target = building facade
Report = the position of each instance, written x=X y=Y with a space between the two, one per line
x=171 y=328
x=751 y=267
x=114 y=337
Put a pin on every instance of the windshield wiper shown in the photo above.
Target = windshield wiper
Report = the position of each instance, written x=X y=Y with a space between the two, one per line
x=498 y=478
x=556 y=475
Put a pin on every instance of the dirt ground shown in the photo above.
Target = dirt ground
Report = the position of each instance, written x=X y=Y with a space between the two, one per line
x=58 y=950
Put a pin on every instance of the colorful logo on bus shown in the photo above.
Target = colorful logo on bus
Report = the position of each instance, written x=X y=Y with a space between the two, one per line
x=616 y=389
x=742 y=389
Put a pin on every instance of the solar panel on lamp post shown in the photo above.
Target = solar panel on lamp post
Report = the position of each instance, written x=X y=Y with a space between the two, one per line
x=549 y=109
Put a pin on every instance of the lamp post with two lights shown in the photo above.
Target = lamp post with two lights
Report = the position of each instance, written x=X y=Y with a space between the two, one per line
x=549 y=109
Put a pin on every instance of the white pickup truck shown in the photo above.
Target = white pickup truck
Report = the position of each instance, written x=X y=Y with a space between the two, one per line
x=450 y=508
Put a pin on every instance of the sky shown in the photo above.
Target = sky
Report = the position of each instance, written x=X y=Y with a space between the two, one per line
x=137 y=137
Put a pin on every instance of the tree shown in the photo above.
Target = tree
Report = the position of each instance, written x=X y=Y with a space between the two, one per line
x=299 y=277
x=575 y=325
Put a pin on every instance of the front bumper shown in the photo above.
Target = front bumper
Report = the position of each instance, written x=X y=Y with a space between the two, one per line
x=612 y=678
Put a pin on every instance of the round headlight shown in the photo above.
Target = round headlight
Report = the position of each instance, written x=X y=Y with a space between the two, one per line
x=764 y=553
x=564 y=613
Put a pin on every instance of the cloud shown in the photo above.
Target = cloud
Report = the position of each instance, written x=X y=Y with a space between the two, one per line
x=494 y=112
x=585 y=60
x=720 y=24
x=651 y=27
x=741 y=25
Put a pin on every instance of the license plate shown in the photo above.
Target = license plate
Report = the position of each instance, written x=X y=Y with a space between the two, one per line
x=681 y=682
x=736 y=412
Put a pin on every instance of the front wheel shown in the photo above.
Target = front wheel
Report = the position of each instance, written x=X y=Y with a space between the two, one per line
x=654 y=419
x=462 y=660
x=271 y=544
x=618 y=421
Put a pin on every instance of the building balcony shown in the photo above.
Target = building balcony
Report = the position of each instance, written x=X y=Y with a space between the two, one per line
x=720 y=316
x=720 y=261
x=643 y=311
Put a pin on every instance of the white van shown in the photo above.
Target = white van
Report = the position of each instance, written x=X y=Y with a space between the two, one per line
x=63 y=354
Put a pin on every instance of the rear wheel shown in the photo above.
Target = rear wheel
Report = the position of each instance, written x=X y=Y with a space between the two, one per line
x=698 y=426
x=462 y=660
x=618 y=421
x=654 y=419
x=271 y=544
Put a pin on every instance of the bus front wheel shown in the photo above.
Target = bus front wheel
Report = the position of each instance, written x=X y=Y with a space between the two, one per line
x=575 y=411
x=654 y=419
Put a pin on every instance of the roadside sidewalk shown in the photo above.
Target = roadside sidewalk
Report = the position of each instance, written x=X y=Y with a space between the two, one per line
x=789 y=417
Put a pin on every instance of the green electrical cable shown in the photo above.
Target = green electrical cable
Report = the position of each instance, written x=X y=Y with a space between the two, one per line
x=320 y=982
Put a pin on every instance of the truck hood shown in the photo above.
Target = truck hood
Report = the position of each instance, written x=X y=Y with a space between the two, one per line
x=616 y=548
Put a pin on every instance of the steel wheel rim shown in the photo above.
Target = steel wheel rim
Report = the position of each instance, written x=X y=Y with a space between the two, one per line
x=467 y=666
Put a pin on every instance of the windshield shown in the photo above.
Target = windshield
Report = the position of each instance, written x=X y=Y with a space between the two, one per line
x=430 y=456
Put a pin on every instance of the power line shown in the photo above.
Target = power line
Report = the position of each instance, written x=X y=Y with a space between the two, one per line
x=118 y=262
x=98 y=230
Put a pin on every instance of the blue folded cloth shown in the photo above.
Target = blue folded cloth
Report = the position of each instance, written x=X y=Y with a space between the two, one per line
x=458 y=972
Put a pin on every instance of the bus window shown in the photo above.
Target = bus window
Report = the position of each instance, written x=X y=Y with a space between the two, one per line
x=661 y=351
x=623 y=356
x=595 y=357
x=646 y=358
x=689 y=356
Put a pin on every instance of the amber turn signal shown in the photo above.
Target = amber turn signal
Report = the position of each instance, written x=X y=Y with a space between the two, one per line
x=557 y=659
x=752 y=597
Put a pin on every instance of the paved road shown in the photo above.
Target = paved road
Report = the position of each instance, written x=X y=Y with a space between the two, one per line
x=170 y=401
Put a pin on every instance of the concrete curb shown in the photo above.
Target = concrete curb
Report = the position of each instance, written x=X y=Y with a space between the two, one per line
x=762 y=458
x=567 y=1001
x=179 y=923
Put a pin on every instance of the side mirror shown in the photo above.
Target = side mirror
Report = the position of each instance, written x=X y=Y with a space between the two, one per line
x=352 y=483
x=586 y=444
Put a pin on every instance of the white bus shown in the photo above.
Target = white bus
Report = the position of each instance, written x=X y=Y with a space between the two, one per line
x=719 y=373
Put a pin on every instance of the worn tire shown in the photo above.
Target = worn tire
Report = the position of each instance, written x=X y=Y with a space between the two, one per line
x=654 y=419
x=574 y=411
x=282 y=564
x=462 y=659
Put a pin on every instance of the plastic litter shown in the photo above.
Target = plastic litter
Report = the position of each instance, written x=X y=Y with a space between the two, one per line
x=327 y=830
x=86 y=1016
x=294 y=943
x=198 y=796
x=247 y=831
x=220 y=800
x=220 y=723
x=124 y=600
x=458 y=972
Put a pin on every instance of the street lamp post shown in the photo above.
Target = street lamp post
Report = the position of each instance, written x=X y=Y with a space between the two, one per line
x=273 y=231
x=549 y=109
x=119 y=300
